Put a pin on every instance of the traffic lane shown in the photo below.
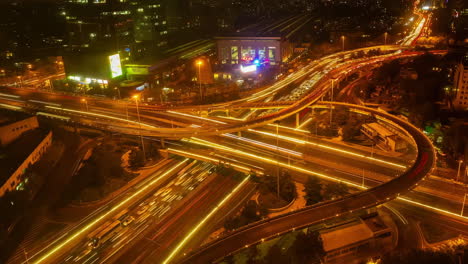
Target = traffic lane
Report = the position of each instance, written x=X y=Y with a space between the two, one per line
x=448 y=222
x=314 y=157
x=326 y=210
x=188 y=213
x=173 y=235
x=138 y=212
x=308 y=137
x=96 y=219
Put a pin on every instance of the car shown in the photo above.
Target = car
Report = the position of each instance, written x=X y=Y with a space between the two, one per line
x=128 y=220
x=142 y=210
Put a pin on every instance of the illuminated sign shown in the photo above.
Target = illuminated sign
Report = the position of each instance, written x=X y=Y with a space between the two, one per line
x=250 y=68
x=116 y=67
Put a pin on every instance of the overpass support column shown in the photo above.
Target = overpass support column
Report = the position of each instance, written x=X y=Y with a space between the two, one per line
x=162 y=143
x=239 y=134
x=297 y=120
x=227 y=112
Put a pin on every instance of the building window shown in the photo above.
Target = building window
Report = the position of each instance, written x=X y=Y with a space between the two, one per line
x=234 y=55
x=272 y=55
x=261 y=54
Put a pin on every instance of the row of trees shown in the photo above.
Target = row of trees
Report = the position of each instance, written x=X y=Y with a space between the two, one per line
x=287 y=190
x=317 y=192
x=344 y=124
x=251 y=212
x=306 y=248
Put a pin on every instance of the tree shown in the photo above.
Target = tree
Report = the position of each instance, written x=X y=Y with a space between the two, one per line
x=287 y=188
x=135 y=159
x=313 y=189
x=335 y=190
x=308 y=248
x=275 y=256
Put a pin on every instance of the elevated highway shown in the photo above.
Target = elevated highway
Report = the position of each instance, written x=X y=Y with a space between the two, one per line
x=257 y=232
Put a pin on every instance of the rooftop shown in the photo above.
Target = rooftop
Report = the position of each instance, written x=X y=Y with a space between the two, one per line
x=282 y=28
x=12 y=155
x=383 y=131
x=350 y=234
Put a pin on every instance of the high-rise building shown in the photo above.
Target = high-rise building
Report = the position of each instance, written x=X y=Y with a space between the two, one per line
x=150 y=23
x=29 y=28
x=99 y=24
x=131 y=27
x=461 y=86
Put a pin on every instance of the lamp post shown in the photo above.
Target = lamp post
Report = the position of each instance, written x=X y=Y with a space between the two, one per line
x=86 y=103
x=463 y=205
x=199 y=64
x=136 y=97
x=342 y=43
x=385 y=38
x=277 y=162
x=459 y=167
x=331 y=99
x=118 y=91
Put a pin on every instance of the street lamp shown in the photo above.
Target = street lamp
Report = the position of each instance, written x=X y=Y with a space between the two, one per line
x=118 y=91
x=459 y=166
x=342 y=42
x=86 y=103
x=199 y=64
x=331 y=99
x=277 y=160
x=463 y=205
x=136 y=97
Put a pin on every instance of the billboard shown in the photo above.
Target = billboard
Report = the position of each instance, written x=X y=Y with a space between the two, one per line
x=115 y=66
x=250 y=68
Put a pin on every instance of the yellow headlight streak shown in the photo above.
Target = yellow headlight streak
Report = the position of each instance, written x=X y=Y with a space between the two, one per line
x=267 y=160
x=206 y=158
x=303 y=142
x=194 y=116
x=13 y=107
x=99 y=115
x=204 y=220
x=310 y=172
x=117 y=207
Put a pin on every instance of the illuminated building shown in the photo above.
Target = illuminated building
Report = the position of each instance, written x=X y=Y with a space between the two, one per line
x=106 y=24
x=461 y=86
x=131 y=27
x=150 y=24
x=93 y=69
x=269 y=42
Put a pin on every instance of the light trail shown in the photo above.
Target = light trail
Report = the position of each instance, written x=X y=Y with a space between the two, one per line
x=290 y=128
x=310 y=172
x=303 y=142
x=117 y=207
x=43 y=102
x=198 y=117
x=204 y=220
x=305 y=123
x=99 y=115
x=265 y=145
x=12 y=107
x=10 y=95
x=452 y=214
x=267 y=160
x=207 y=158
